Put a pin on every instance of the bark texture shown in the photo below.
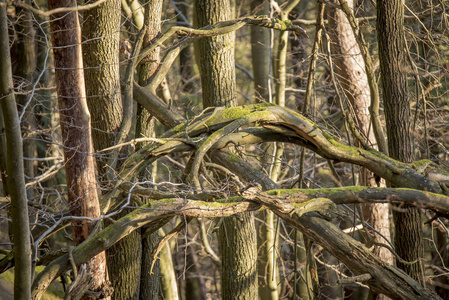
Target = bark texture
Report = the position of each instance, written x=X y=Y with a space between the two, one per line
x=150 y=284
x=408 y=227
x=350 y=68
x=239 y=255
x=76 y=131
x=215 y=55
x=261 y=53
x=15 y=169
x=217 y=68
x=186 y=57
x=25 y=65
x=101 y=61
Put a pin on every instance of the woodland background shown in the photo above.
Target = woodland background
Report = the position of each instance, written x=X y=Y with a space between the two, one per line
x=216 y=149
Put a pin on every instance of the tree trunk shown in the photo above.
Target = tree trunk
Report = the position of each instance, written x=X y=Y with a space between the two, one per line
x=193 y=285
x=168 y=281
x=101 y=61
x=237 y=236
x=268 y=271
x=261 y=53
x=150 y=284
x=261 y=60
x=76 y=131
x=237 y=240
x=26 y=64
x=215 y=55
x=15 y=169
x=186 y=58
x=350 y=68
x=408 y=228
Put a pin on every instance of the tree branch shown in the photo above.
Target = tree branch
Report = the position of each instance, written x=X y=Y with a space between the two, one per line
x=278 y=119
x=293 y=206
x=57 y=10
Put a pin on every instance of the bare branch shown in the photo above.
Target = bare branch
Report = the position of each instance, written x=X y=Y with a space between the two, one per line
x=57 y=10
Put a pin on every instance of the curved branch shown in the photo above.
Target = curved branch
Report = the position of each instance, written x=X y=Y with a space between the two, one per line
x=159 y=212
x=386 y=279
x=299 y=128
x=48 y=13
x=291 y=205
x=150 y=101
x=223 y=28
x=255 y=116
x=359 y=194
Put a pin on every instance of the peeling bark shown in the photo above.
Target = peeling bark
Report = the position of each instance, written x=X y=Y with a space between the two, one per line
x=76 y=132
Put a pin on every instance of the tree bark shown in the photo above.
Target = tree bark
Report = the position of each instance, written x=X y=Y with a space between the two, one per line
x=168 y=281
x=237 y=237
x=215 y=55
x=76 y=131
x=390 y=29
x=350 y=68
x=26 y=64
x=186 y=57
x=239 y=255
x=150 y=283
x=101 y=60
x=15 y=168
x=261 y=53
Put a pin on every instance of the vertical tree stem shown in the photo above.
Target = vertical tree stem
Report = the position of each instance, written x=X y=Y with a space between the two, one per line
x=15 y=169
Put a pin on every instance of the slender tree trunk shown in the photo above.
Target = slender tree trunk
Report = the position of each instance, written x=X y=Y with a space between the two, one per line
x=261 y=60
x=298 y=52
x=168 y=281
x=194 y=287
x=150 y=284
x=186 y=57
x=237 y=236
x=408 y=228
x=267 y=267
x=442 y=257
x=237 y=240
x=76 y=131
x=26 y=65
x=261 y=53
x=15 y=169
x=350 y=68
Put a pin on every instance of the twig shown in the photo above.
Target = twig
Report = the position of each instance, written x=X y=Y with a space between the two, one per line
x=206 y=244
x=312 y=65
x=57 y=10
x=222 y=28
x=165 y=239
x=134 y=141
